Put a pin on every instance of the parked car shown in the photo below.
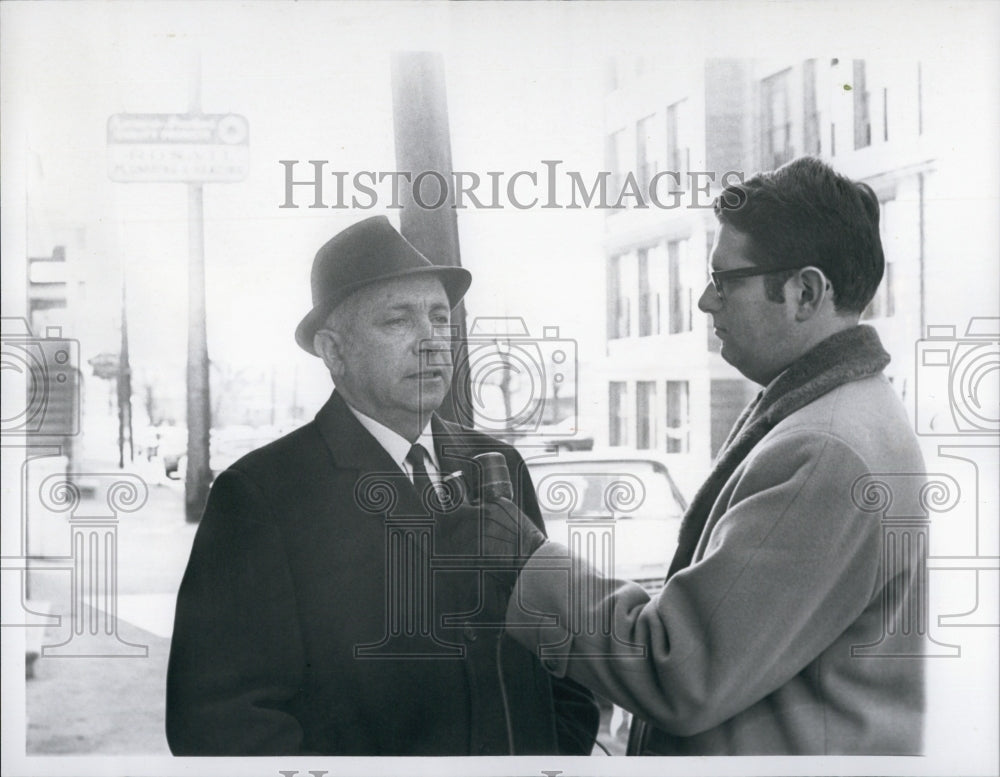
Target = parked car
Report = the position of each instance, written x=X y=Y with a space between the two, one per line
x=171 y=442
x=562 y=436
x=226 y=446
x=632 y=493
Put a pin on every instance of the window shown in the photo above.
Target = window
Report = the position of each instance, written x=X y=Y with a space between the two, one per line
x=920 y=99
x=810 y=111
x=652 y=290
x=645 y=430
x=621 y=294
x=885 y=114
x=883 y=304
x=659 y=287
x=616 y=161
x=680 y=291
x=611 y=78
x=645 y=161
x=862 y=107
x=617 y=413
x=646 y=297
x=678 y=418
x=657 y=283
x=776 y=123
x=726 y=400
x=678 y=150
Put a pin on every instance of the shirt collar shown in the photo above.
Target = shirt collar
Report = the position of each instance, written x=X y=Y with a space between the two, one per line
x=396 y=445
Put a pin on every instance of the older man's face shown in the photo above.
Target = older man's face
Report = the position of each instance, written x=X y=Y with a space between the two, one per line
x=395 y=358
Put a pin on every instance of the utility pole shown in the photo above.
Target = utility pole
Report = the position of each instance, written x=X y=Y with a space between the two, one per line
x=423 y=142
x=197 y=479
x=193 y=148
x=124 y=386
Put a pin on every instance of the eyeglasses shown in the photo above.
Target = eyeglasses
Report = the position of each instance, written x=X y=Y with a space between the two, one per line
x=745 y=272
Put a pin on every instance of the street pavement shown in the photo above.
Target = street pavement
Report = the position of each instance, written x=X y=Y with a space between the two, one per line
x=113 y=704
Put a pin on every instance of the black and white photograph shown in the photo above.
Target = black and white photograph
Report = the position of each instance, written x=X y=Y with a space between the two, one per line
x=500 y=388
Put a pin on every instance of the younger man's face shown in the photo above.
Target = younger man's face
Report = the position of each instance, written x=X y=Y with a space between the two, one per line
x=756 y=333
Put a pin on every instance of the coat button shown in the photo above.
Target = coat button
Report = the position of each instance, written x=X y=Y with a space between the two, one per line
x=469 y=633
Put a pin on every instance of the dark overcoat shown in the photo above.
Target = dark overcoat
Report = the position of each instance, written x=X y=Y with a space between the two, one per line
x=323 y=611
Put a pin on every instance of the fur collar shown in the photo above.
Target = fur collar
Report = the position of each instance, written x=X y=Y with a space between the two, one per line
x=847 y=356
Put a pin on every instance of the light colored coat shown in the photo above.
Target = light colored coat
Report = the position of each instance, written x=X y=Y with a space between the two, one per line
x=748 y=650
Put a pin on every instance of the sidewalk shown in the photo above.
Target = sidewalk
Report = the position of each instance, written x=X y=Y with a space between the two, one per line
x=113 y=704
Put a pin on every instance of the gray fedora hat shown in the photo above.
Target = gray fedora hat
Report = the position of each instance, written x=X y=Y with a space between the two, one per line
x=369 y=251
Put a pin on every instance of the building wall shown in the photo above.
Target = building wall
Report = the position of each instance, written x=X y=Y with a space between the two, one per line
x=871 y=120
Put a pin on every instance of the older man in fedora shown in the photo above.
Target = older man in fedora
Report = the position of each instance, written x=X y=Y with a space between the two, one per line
x=318 y=613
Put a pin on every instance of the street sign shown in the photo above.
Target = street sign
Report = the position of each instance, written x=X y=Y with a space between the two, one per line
x=178 y=147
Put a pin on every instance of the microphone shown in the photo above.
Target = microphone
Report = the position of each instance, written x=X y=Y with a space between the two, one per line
x=486 y=480
x=493 y=478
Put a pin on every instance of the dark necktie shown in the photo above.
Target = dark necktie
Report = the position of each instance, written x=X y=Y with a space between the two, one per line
x=421 y=480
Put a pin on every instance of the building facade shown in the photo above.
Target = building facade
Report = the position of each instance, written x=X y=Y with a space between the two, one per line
x=682 y=132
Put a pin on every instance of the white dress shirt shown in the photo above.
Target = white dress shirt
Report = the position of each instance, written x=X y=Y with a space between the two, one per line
x=397 y=446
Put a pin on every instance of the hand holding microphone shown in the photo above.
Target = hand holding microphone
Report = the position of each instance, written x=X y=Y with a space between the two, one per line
x=508 y=534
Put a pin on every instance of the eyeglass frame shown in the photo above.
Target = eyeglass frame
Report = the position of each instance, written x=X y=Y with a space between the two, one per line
x=718 y=276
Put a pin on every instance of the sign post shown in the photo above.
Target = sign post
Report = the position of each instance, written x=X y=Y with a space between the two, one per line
x=192 y=148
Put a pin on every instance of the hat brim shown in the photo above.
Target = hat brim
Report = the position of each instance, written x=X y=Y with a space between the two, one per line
x=456 y=281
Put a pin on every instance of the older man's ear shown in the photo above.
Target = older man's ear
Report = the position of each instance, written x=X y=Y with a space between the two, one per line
x=329 y=346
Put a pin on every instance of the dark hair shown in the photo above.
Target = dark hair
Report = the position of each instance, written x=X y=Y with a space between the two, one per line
x=806 y=213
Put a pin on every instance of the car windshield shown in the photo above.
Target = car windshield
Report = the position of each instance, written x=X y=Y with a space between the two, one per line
x=625 y=504
x=602 y=489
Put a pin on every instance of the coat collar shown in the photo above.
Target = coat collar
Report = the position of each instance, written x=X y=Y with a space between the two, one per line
x=353 y=447
x=351 y=444
x=451 y=444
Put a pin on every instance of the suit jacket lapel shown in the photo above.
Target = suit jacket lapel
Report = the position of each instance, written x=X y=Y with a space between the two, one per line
x=353 y=448
x=451 y=446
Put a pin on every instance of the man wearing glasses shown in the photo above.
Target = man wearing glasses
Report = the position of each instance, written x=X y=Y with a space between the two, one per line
x=760 y=640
